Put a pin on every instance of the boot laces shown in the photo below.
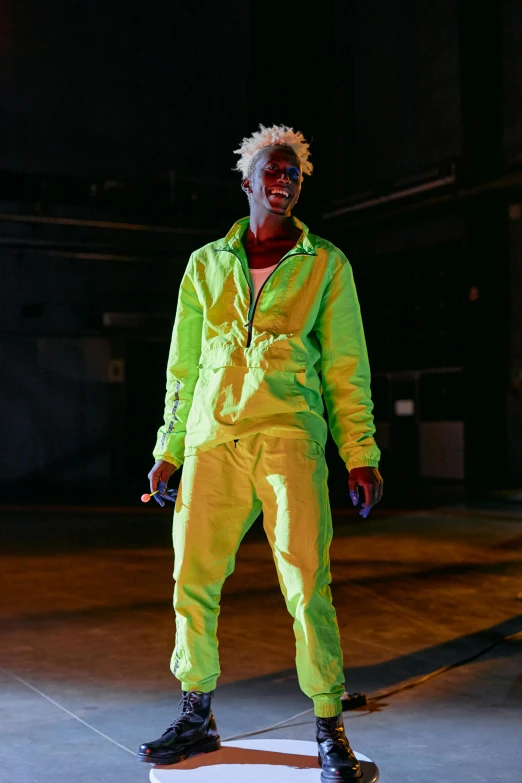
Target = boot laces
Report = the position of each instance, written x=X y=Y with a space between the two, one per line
x=334 y=738
x=185 y=708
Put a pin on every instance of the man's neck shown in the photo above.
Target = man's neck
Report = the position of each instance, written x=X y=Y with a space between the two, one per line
x=267 y=227
x=267 y=241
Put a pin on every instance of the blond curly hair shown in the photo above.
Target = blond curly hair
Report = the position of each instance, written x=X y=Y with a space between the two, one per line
x=252 y=145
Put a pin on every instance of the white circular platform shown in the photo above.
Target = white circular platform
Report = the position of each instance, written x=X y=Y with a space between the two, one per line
x=255 y=761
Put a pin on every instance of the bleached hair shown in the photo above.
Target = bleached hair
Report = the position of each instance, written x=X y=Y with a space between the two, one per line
x=252 y=145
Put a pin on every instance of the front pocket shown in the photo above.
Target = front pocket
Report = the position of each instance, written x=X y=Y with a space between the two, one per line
x=229 y=394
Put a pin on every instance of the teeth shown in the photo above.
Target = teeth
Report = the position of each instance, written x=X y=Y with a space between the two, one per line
x=275 y=192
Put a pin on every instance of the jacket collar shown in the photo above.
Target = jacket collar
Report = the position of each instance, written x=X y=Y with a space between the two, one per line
x=232 y=241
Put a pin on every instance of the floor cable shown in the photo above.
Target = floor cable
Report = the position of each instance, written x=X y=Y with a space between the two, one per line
x=386 y=694
x=372 y=697
x=64 y=709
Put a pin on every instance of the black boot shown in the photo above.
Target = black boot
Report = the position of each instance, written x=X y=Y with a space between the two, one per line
x=336 y=758
x=193 y=732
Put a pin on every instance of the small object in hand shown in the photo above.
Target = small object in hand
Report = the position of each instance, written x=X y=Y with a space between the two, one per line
x=162 y=493
x=146 y=497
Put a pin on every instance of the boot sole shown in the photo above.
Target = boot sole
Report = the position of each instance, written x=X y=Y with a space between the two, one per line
x=202 y=747
x=337 y=779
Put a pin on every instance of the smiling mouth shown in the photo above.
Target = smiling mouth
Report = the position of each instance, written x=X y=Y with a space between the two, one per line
x=280 y=194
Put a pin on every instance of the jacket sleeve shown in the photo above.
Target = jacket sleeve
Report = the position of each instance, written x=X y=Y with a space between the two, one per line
x=182 y=371
x=345 y=371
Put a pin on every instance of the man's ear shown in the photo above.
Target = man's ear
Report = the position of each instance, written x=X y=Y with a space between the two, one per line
x=246 y=186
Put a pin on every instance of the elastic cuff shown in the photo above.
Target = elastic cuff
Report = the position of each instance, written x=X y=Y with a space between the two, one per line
x=328 y=709
x=362 y=463
x=167 y=458
x=208 y=688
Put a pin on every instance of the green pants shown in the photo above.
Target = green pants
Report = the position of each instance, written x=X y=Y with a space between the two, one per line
x=221 y=494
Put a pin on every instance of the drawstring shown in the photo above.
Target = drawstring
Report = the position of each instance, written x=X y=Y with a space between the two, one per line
x=235 y=443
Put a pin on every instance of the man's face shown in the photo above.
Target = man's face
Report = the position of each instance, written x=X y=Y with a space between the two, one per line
x=275 y=183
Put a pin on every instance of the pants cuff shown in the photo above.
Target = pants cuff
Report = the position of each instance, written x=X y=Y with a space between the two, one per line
x=205 y=688
x=328 y=709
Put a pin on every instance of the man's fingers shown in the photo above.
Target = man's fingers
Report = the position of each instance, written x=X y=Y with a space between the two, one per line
x=160 y=474
x=352 y=481
x=353 y=488
x=153 y=479
x=158 y=481
x=370 y=498
x=368 y=495
x=376 y=493
x=372 y=484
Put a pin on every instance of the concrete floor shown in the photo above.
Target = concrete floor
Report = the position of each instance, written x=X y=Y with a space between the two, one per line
x=87 y=631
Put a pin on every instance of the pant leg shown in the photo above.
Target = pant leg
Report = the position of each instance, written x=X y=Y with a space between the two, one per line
x=291 y=482
x=215 y=507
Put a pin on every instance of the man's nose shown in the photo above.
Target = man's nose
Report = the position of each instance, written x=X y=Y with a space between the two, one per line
x=283 y=177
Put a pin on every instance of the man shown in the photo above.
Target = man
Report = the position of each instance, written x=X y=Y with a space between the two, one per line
x=267 y=325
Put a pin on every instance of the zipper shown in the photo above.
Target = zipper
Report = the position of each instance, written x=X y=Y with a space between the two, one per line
x=252 y=307
x=250 y=321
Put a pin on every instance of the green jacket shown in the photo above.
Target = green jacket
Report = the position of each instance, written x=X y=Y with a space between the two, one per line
x=238 y=367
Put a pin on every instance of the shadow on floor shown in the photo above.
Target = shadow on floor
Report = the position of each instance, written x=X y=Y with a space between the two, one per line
x=253 y=762
x=392 y=673
x=246 y=756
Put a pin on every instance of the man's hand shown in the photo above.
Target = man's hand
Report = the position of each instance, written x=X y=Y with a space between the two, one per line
x=371 y=481
x=159 y=478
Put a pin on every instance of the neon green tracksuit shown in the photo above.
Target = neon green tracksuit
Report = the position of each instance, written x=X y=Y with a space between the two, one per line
x=244 y=414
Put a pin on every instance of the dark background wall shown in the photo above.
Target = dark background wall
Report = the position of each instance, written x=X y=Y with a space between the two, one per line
x=122 y=89
x=117 y=126
x=403 y=113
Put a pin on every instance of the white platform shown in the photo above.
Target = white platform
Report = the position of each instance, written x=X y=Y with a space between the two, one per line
x=255 y=761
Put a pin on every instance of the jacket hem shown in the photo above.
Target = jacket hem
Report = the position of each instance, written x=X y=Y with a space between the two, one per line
x=192 y=451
